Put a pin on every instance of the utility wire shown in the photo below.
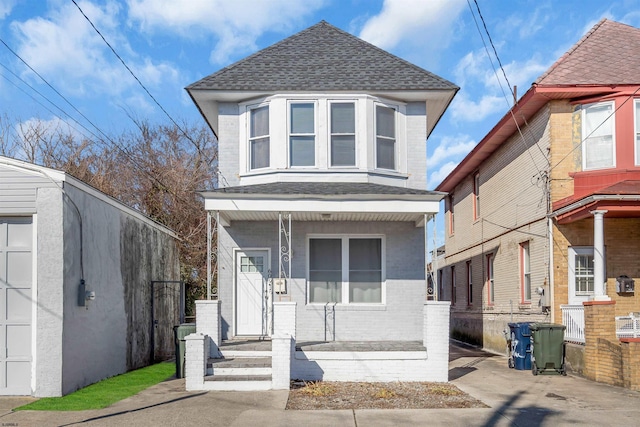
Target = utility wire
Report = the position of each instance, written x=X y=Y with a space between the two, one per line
x=140 y=83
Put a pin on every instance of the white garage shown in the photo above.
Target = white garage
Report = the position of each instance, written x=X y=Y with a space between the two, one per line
x=61 y=240
x=16 y=277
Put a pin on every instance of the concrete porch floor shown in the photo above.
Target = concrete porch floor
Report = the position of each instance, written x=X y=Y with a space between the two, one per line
x=265 y=345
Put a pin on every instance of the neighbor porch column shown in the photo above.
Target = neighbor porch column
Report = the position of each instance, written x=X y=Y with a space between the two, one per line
x=599 y=278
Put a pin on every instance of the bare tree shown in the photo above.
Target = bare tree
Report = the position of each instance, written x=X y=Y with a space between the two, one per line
x=156 y=169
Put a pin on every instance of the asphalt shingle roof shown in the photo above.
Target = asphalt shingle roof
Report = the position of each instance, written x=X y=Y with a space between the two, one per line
x=322 y=57
x=323 y=189
x=608 y=54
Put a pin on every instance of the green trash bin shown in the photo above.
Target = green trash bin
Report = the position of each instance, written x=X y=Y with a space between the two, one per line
x=547 y=348
x=179 y=333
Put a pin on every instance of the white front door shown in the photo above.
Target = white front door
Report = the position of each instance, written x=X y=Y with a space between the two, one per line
x=15 y=305
x=252 y=299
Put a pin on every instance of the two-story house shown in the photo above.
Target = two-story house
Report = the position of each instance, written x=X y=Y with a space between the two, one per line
x=543 y=214
x=322 y=199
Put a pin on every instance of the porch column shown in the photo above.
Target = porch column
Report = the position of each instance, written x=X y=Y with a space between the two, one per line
x=599 y=278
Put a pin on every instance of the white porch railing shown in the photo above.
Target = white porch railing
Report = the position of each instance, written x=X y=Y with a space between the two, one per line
x=628 y=326
x=573 y=320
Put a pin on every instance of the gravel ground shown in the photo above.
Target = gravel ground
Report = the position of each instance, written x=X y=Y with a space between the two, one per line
x=397 y=395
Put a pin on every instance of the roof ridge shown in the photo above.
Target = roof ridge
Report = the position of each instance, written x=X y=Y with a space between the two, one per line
x=414 y=66
x=262 y=51
x=571 y=50
x=312 y=28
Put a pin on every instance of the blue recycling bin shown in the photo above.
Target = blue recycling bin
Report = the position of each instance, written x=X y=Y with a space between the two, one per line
x=520 y=346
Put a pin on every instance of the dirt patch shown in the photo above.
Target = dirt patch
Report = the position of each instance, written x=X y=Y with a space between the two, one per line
x=396 y=395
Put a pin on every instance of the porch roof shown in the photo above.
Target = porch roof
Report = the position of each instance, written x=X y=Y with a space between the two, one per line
x=620 y=200
x=322 y=201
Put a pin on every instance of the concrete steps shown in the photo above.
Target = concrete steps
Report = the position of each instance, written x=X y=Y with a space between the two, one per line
x=239 y=371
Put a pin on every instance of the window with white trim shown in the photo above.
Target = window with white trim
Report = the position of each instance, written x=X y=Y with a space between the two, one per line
x=343 y=133
x=346 y=269
x=583 y=271
x=490 y=290
x=385 y=137
x=302 y=134
x=259 y=137
x=598 y=146
x=637 y=131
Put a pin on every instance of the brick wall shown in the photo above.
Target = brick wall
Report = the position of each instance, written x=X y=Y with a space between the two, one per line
x=631 y=363
x=602 y=352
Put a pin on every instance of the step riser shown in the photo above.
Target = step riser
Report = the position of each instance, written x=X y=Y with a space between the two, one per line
x=237 y=385
x=242 y=371
x=229 y=354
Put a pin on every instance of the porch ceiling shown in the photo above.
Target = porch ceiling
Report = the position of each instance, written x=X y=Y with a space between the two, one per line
x=322 y=216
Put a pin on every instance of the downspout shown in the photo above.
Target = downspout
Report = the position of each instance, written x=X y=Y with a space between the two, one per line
x=551 y=288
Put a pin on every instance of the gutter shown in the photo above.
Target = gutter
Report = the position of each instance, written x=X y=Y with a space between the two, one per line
x=595 y=198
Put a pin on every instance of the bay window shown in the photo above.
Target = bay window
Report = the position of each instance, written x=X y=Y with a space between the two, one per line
x=259 y=137
x=598 y=147
x=385 y=137
x=302 y=139
x=345 y=269
x=343 y=134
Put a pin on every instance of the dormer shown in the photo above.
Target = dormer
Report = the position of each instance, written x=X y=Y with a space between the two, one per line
x=323 y=105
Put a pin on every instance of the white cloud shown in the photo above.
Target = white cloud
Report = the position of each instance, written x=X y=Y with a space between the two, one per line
x=436 y=177
x=418 y=21
x=65 y=48
x=458 y=147
x=465 y=109
x=446 y=157
x=236 y=24
x=5 y=7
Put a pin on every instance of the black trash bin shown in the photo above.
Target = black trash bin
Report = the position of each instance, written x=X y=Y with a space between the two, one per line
x=179 y=333
x=520 y=346
x=547 y=346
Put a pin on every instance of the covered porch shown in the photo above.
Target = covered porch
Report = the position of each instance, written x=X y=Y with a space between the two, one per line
x=601 y=306
x=353 y=256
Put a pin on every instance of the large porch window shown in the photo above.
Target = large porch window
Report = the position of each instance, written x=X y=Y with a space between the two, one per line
x=345 y=270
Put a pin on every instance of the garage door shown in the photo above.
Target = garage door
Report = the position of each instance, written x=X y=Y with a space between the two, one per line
x=16 y=236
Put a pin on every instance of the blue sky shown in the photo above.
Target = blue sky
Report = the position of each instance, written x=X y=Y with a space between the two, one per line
x=171 y=43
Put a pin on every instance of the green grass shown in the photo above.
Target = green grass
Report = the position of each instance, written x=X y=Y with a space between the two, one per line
x=106 y=392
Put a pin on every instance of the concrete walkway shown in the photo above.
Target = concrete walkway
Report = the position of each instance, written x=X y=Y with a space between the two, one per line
x=515 y=398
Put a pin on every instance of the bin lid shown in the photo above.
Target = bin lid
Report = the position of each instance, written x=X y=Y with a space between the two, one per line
x=184 y=329
x=541 y=326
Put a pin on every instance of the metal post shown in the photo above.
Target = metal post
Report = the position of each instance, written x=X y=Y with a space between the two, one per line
x=434 y=261
x=208 y=255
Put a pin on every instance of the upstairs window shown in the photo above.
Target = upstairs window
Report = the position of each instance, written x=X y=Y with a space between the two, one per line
x=343 y=134
x=476 y=196
x=451 y=216
x=598 y=146
x=302 y=138
x=637 y=131
x=385 y=137
x=259 y=137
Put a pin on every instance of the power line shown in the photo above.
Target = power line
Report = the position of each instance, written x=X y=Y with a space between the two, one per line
x=139 y=82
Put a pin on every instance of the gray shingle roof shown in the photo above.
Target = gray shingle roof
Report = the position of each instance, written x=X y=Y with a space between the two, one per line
x=322 y=57
x=324 y=189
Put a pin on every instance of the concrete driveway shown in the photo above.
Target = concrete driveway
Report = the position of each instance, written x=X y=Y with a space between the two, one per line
x=515 y=398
